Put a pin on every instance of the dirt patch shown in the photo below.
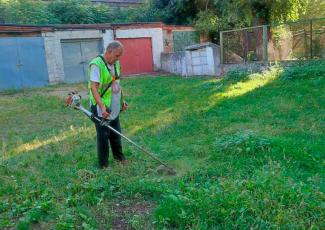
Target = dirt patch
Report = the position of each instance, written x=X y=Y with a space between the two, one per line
x=64 y=91
x=55 y=90
x=122 y=211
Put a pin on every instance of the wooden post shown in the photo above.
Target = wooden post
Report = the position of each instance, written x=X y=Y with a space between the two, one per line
x=311 y=39
x=265 y=45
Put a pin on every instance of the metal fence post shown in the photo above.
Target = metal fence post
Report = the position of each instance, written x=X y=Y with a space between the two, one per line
x=221 y=49
x=265 y=45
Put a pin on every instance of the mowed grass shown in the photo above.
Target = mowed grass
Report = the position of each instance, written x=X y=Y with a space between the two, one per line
x=249 y=151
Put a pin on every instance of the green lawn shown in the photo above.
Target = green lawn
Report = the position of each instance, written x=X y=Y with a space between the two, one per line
x=249 y=151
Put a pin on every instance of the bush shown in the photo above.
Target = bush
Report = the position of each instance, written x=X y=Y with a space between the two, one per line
x=305 y=70
x=237 y=75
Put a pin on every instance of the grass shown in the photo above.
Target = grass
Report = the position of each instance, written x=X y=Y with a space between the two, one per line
x=249 y=151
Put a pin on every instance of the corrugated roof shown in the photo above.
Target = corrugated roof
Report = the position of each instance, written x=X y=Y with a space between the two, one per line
x=24 y=28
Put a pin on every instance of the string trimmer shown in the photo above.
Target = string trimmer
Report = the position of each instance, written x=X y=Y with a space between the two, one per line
x=74 y=101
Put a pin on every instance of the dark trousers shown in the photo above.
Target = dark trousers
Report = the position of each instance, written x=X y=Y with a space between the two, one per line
x=105 y=136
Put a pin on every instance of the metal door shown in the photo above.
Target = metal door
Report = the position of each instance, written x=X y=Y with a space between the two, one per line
x=76 y=56
x=22 y=63
x=33 y=61
x=137 y=57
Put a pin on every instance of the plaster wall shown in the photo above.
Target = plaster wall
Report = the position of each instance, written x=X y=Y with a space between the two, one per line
x=197 y=60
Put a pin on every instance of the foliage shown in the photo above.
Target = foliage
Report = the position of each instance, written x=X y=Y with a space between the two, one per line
x=306 y=70
x=209 y=17
x=248 y=151
x=244 y=142
x=2 y=12
x=55 y=12
x=313 y=9
x=77 y=12
x=182 y=39
x=237 y=75
x=25 y=12
x=207 y=24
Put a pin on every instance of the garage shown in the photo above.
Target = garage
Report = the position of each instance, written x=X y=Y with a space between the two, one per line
x=41 y=55
x=76 y=56
x=22 y=63
x=137 y=57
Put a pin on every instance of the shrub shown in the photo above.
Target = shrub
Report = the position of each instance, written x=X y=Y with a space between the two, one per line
x=305 y=70
x=237 y=75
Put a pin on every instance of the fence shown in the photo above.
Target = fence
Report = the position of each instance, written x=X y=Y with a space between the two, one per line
x=300 y=40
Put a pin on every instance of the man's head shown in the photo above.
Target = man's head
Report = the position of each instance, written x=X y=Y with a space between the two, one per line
x=113 y=52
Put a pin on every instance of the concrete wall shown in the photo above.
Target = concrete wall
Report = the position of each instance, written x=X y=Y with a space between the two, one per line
x=156 y=35
x=253 y=66
x=174 y=62
x=53 y=50
x=202 y=59
x=108 y=36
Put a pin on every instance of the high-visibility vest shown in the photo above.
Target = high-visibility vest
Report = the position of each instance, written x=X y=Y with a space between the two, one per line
x=105 y=79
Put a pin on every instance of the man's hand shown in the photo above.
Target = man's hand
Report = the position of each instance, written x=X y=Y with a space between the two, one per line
x=125 y=106
x=104 y=112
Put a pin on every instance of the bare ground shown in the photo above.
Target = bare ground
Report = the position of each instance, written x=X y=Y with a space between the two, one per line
x=122 y=211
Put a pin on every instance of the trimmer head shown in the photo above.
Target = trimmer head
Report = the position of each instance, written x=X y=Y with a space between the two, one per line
x=167 y=171
x=73 y=100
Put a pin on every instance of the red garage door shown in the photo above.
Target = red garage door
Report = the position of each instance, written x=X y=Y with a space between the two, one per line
x=137 y=56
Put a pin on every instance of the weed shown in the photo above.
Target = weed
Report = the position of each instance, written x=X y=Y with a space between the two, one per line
x=243 y=142
x=308 y=70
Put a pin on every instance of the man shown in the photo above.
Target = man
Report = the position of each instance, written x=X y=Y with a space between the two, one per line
x=106 y=101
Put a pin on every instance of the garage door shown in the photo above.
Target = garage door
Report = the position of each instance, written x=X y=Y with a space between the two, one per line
x=22 y=63
x=137 y=57
x=76 y=56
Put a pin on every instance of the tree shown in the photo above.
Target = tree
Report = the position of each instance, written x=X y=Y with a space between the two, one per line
x=207 y=24
x=313 y=9
x=25 y=12
x=260 y=12
x=101 y=14
x=71 y=11
x=2 y=12
x=180 y=12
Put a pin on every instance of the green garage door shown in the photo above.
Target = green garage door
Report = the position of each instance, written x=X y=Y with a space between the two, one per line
x=76 y=56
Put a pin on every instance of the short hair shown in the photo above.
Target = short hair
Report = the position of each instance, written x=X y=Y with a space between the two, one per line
x=114 y=45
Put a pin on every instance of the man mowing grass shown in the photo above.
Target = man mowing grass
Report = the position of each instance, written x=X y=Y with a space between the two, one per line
x=106 y=100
